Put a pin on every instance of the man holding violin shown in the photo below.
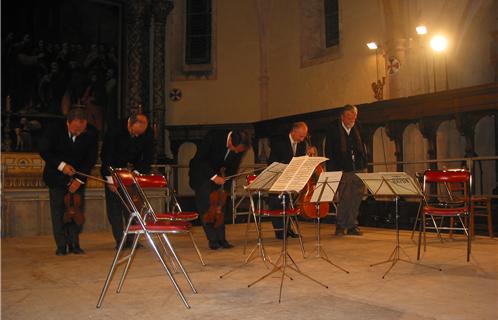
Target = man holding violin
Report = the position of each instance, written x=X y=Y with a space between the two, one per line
x=128 y=143
x=218 y=155
x=66 y=148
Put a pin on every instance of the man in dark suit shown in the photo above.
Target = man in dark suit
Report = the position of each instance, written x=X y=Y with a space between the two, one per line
x=127 y=143
x=219 y=149
x=283 y=149
x=67 y=147
x=346 y=152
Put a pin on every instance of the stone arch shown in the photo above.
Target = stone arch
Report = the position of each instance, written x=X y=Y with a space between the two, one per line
x=415 y=148
x=382 y=145
x=485 y=145
x=186 y=152
x=449 y=144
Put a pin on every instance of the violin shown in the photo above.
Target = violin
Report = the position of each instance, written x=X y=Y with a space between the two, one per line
x=306 y=207
x=217 y=200
x=72 y=202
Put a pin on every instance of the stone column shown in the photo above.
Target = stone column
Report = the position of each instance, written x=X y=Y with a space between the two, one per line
x=428 y=128
x=395 y=131
x=160 y=11
x=263 y=9
x=137 y=54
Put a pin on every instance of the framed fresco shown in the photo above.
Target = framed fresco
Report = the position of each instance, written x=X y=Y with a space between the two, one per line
x=56 y=54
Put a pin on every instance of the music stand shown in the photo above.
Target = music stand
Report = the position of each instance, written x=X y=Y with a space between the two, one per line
x=259 y=247
x=325 y=191
x=393 y=184
x=291 y=180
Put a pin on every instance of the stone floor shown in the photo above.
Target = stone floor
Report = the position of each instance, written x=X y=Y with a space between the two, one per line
x=36 y=284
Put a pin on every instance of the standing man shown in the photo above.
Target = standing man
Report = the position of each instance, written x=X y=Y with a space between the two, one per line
x=127 y=144
x=219 y=149
x=283 y=149
x=346 y=152
x=67 y=147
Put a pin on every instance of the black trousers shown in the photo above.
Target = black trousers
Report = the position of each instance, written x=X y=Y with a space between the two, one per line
x=202 y=202
x=117 y=215
x=64 y=233
x=274 y=203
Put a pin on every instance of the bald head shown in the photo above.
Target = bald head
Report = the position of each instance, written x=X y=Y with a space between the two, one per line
x=299 y=131
x=137 y=124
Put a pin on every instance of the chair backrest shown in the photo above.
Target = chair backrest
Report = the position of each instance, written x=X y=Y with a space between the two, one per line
x=250 y=178
x=130 y=193
x=453 y=185
x=151 y=180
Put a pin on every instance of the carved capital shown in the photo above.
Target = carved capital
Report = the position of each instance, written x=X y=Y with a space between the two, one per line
x=160 y=10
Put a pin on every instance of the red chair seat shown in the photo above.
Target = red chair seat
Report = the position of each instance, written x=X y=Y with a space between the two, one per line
x=278 y=213
x=163 y=226
x=444 y=211
x=179 y=216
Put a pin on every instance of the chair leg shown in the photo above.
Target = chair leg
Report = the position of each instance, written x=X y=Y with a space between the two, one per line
x=180 y=265
x=166 y=252
x=472 y=220
x=196 y=248
x=128 y=263
x=111 y=272
x=490 y=218
x=296 y=225
x=165 y=267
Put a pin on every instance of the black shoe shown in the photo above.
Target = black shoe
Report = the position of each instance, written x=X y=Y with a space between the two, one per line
x=339 y=231
x=76 y=250
x=225 y=244
x=213 y=245
x=292 y=234
x=355 y=231
x=61 y=251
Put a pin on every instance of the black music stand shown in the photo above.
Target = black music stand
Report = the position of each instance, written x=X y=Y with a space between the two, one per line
x=282 y=263
x=393 y=184
x=292 y=179
x=325 y=191
x=259 y=247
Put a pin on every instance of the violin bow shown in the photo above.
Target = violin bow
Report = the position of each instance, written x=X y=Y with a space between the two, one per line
x=91 y=177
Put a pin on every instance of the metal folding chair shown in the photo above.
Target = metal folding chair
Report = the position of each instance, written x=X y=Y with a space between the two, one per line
x=142 y=222
x=159 y=181
x=443 y=205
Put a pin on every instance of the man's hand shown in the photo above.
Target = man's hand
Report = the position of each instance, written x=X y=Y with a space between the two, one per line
x=75 y=184
x=111 y=187
x=68 y=170
x=219 y=180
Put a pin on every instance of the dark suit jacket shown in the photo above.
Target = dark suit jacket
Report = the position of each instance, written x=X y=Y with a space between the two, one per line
x=120 y=149
x=340 y=160
x=209 y=158
x=56 y=146
x=281 y=149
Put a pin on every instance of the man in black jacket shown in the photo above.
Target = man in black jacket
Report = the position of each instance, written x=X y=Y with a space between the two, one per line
x=346 y=152
x=219 y=149
x=127 y=144
x=67 y=147
x=283 y=149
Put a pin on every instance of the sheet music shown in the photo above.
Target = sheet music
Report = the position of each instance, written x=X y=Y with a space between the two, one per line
x=326 y=186
x=402 y=184
x=267 y=177
x=375 y=183
x=390 y=184
x=297 y=174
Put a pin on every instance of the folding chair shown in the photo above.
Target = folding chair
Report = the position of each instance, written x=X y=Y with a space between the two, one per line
x=443 y=205
x=141 y=222
x=159 y=181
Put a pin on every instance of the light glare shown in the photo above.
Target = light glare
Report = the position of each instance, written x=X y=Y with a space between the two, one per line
x=439 y=43
x=372 y=45
x=421 y=30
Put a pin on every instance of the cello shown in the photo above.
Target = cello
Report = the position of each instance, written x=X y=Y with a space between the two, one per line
x=307 y=208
